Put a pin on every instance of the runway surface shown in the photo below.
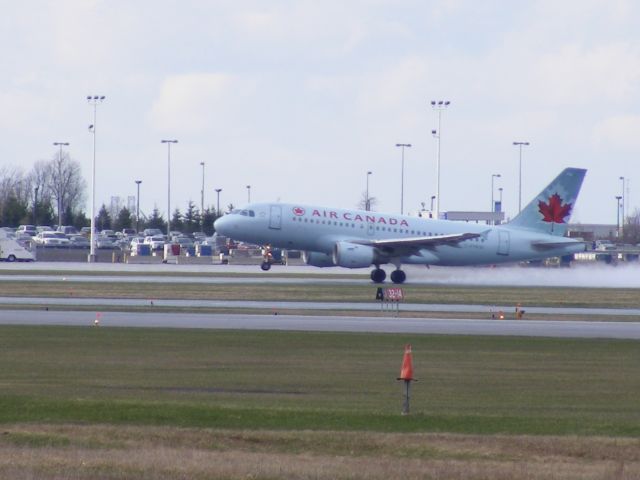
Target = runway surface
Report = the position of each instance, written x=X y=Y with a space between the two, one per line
x=594 y=275
x=279 y=305
x=547 y=328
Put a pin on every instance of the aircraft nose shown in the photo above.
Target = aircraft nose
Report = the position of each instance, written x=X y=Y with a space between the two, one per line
x=222 y=226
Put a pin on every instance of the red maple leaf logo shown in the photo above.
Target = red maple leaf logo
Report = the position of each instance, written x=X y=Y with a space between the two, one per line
x=554 y=211
x=298 y=211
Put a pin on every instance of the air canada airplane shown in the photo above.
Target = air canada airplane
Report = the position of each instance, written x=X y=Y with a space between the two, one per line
x=358 y=239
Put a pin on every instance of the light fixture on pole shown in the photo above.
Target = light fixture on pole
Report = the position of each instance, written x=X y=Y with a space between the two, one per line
x=493 y=176
x=59 y=187
x=248 y=193
x=138 y=182
x=439 y=106
x=402 y=145
x=202 y=200
x=367 y=203
x=218 y=190
x=618 y=198
x=93 y=100
x=520 y=145
x=169 y=142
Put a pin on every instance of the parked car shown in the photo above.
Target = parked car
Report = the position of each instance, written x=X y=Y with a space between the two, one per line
x=150 y=232
x=129 y=232
x=156 y=242
x=184 y=242
x=79 y=241
x=51 y=239
x=68 y=229
x=104 y=242
x=28 y=229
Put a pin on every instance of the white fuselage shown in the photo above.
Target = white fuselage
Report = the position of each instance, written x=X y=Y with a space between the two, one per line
x=318 y=229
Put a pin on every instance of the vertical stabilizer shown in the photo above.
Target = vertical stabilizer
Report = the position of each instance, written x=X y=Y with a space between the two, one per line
x=550 y=210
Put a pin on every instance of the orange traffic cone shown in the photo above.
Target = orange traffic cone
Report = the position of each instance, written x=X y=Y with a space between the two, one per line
x=406 y=372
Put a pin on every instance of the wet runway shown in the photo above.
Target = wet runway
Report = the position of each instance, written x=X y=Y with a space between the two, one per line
x=528 y=328
x=270 y=306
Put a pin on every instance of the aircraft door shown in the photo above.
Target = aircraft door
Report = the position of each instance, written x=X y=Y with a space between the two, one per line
x=504 y=242
x=275 y=217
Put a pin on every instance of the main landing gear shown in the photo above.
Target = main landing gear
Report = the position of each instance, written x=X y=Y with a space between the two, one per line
x=398 y=276
x=378 y=275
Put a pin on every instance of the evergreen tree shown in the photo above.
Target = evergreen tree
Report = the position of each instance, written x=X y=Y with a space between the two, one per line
x=208 y=218
x=13 y=212
x=190 y=222
x=103 y=220
x=156 y=220
x=124 y=220
x=80 y=220
x=176 y=221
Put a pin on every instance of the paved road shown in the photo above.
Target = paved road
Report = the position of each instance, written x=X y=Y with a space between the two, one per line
x=279 y=305
x=550 y=328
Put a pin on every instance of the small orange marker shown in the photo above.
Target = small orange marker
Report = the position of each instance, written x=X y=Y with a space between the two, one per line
x=406 y=371
x=406 y=375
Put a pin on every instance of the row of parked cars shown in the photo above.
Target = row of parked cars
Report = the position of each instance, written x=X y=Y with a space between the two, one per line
x=127 y=239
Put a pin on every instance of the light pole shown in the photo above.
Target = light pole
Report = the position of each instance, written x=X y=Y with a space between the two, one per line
x=168 y=142
x=520 y=145
x=493 y=176
x=402 y=145
x=93 y=100
x=618 y=198
x=439 y=106
x=500 y=198
x=35 y=206
x=138 y=182
x=623 y=204
x=60 y=144
x=433 y=197
x=367 y=205
x=202 y=200
x=248 y=193
x=218 y=190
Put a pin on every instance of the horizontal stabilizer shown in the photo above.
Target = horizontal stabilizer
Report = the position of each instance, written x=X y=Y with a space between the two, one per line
x=541 y=245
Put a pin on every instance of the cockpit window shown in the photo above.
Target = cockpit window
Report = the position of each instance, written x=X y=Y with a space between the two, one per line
x=245 y=213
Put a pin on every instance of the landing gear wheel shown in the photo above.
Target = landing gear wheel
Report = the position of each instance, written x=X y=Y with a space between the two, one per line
x=265 y=266
x=378 y=275
x=398 y=276
x=11 y=258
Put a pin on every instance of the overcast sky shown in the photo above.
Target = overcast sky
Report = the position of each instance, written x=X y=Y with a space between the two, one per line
x=299 y=99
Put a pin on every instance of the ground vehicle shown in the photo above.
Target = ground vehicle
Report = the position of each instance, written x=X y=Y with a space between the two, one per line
x=51 y=239
x=129 y=232
x=79 y=241
x=68 y=229
x=149 y=232
x=12 y=251
x=29 y=229
x=156 y=241
x=103 y=241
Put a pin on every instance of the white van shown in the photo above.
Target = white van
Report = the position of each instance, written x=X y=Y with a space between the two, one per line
x=11 y=251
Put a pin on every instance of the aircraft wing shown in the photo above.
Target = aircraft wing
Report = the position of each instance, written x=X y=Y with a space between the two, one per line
x=414 y=244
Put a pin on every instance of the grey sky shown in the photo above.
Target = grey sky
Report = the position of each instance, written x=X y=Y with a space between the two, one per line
x=300 y=98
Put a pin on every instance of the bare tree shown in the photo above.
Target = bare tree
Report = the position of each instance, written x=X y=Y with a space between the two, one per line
x=362 y=204
x=65 y=183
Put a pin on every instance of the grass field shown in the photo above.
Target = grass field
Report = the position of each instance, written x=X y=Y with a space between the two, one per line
x=152 y=403
x=539 y=296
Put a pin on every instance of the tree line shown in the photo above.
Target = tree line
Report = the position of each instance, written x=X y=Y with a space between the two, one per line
x=53 y=192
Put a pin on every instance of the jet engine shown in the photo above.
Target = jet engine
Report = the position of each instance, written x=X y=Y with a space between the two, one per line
x=317 y=259
x=353 y=255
